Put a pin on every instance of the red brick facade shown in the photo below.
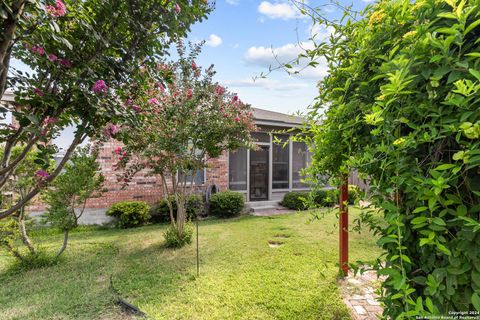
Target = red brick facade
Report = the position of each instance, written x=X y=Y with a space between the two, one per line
x=144 y=187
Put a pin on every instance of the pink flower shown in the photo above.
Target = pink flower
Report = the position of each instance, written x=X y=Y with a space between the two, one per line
x=194 y=66
x=118 y=150
x=237 y=119
x=38 y=92
x=59 y=10
x=177 y=8
x=52 y=57
x=50 y=120
x=38 y=50
x=111 y=129
x=136 y=108
x=100 y=87
x=189 y=94
x=161 y=87
x=65 y=63
x=220 y=90
x=12 y=127
x=235 y=99
x=153 y=101
x=129 y=102
x=42 y=174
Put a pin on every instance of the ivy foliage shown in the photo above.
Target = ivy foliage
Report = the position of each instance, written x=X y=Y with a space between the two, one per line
x=401 y=105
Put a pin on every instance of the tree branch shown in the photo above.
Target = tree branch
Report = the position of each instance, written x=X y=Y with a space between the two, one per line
x=79 y=137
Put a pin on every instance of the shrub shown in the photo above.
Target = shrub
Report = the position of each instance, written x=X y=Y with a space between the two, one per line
x=328 y=198
x=226 y=204
x=130 y=213
x=161 y=213
x=171 y=236
x=295 y=200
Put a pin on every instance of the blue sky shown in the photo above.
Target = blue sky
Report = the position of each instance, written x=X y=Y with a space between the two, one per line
x=240 y=36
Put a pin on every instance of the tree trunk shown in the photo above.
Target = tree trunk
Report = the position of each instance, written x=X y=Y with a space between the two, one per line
x=64 y=245
x=8 y=37
x=180 y=214
x=23 y=232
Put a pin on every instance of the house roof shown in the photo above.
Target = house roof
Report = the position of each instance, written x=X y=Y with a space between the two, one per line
x=263 y=116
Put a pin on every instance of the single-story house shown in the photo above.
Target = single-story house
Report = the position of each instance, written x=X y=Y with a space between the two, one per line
x=262 y=175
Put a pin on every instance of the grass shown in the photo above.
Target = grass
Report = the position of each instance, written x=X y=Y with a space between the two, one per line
x=241 y=275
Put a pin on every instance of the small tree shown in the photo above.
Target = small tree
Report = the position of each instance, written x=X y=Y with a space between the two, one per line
x=184 y=124
x=68 y=194
x=25 y=177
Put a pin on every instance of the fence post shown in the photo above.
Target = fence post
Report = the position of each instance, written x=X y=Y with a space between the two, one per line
x=343 y=224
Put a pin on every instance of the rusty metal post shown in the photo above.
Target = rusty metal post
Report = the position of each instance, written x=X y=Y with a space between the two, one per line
x=343 y=223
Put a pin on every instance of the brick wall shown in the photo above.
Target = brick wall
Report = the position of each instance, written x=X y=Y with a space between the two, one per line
x=142 y=187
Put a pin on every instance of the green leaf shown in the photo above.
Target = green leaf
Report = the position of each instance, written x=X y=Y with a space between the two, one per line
x=445 y=166
x=419 y=220
x=420 y=209
x=476 y=301
x=473 y=54
x=475 y=73
x=461 y=210
x=444 y=249
x=472 y=26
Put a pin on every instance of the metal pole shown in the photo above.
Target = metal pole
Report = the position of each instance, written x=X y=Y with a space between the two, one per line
x=344 y=226
x=198 y=261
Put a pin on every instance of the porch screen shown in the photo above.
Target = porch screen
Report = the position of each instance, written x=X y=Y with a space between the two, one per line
x=237 y=170
x=300 y=160
x=280 y=162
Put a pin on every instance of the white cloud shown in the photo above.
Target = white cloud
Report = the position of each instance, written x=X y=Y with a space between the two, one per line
x=319 y=33
x=233 y=2
x=266 y=83
x=274 y=57
x=213 y=41
x=284 y=11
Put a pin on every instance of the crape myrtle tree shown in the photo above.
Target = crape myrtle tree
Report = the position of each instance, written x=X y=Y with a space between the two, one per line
x=184 y=123
x=66 y=197
x=81 y=56
x=401 y=105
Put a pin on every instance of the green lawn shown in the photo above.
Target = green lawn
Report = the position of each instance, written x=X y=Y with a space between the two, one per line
x=241 y=276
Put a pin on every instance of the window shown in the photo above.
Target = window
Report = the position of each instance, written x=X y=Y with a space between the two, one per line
x=199 y=177
x=281 y=151
x=237 y=171
x=300 y=160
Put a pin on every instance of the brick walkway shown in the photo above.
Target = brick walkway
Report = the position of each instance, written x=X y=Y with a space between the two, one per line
x=360 y=297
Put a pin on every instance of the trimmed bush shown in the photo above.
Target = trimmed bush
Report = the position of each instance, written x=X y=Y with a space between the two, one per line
x=161 y=213
x=130 y=213
x=295 y=200
x=226 y=204
x=332 y=198
x=171 y=236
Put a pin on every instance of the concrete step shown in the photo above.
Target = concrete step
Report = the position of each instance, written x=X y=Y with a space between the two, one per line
x=264 y=208
x=259 y=204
